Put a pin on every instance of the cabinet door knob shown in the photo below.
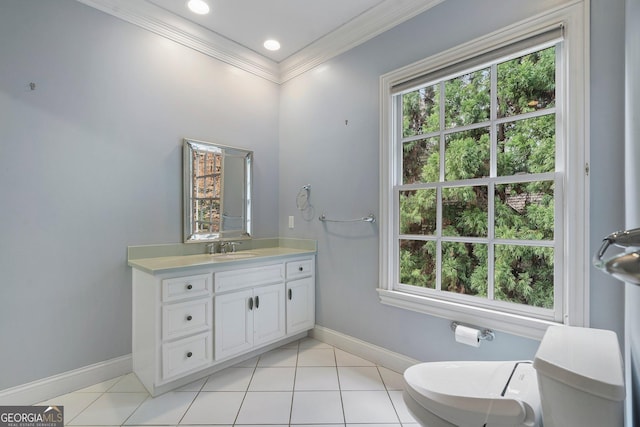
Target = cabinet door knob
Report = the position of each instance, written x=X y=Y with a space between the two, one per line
x=301 y=268
x=189 y=354
x=189 y=317
x=189 y=286
x=250 y=303
x=290 y=293
x=257 y=302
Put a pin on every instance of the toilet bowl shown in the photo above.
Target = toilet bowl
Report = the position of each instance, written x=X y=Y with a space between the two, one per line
x=457 y=394
x=575 y=380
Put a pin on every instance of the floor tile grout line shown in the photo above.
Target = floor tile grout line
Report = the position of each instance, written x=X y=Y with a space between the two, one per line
x=85 y=408
x=192 y=401
x=393 y=405
x=102 y=393
x=293 y=391
x=344 y=414
x=134 y=411
x=246 y=391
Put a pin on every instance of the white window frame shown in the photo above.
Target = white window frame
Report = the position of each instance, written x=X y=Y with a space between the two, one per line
x=571 y=162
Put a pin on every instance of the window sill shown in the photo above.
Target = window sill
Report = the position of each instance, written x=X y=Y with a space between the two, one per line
x=523 y=326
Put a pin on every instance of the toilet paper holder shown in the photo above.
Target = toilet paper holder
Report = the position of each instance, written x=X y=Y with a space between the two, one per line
x=485 y=334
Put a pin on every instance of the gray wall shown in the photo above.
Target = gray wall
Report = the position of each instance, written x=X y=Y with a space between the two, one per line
x=90 y=162
x=341 y=164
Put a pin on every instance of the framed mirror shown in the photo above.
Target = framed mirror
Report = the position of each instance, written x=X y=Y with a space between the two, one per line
x=217 y=191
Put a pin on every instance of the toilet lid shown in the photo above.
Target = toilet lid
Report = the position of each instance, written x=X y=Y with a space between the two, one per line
x=469 y=393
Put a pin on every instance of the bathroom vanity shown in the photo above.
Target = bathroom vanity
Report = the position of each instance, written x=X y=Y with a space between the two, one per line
x=194 y=314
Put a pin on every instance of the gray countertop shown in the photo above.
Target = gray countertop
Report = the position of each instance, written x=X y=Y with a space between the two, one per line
x=175 y=259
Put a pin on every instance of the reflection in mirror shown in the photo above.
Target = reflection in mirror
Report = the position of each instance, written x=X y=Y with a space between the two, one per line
x=217 y=192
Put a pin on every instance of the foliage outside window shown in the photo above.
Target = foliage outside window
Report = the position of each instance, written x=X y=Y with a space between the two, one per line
x=453 y=182
x=477 y=191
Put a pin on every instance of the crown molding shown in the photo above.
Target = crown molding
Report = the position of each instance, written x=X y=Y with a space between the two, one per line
x=364 y=27
x=369 y=24
x=157 y=20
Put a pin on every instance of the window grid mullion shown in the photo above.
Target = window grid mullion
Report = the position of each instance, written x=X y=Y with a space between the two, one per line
x=493 y=172
x=396 y=177
x=498 y=120
x=442 y=101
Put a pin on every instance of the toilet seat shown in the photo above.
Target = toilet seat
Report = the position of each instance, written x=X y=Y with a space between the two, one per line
x=475 y=393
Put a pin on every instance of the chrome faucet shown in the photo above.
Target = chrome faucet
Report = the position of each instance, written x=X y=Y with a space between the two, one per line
x=232 y=244
x=211 y=247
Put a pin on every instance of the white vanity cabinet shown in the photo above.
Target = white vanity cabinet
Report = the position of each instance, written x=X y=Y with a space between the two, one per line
x=193 y=321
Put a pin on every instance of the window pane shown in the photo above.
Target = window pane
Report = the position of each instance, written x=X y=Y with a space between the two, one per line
x=421 y=111
x=418 y=263
x=527 y=146
x=524 y=275
x=464 y=268
x=525 y=211
x=467 y=154
x=467 y=99
x=418 y=212
x=465 y=211
x=527 y=83
x=421 y=161
x=206 y=215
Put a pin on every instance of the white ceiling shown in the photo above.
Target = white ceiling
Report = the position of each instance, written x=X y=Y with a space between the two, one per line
x=310 y=32
x=294 y=23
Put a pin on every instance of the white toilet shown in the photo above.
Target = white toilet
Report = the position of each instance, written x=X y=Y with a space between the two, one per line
x=576 y=380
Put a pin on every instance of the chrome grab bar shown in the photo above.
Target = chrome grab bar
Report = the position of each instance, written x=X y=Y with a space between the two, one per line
x=369 y=218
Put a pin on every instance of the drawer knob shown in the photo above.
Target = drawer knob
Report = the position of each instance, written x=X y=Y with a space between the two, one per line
x=189 y=317
x=189 y=286
x=301 y=268
x=189 y=354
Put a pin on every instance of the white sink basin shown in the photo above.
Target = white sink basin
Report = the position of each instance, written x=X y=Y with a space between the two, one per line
x=235 y=255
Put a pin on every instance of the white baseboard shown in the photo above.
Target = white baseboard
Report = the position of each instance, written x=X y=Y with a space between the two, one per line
x=66 y=382
x=395 y=361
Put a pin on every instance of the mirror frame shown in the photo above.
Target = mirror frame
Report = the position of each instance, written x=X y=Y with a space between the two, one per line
x=191 y=235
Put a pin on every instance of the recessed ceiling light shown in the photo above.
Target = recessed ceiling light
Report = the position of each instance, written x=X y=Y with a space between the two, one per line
x=272 y=45
x=198 y=6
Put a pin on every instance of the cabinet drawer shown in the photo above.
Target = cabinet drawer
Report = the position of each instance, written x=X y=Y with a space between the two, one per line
x=248 y=277
x=303 y=267
x=186 y=354
x=186 y=318
x=186 y=287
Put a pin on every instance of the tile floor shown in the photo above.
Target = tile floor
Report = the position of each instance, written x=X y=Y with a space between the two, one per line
x=306 y=383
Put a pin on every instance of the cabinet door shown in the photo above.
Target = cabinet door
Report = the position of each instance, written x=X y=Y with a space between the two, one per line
x=233 y=323
x=300 y=305
x=268 y=313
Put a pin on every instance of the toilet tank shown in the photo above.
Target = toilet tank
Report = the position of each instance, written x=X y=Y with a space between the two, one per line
x=580 y=378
